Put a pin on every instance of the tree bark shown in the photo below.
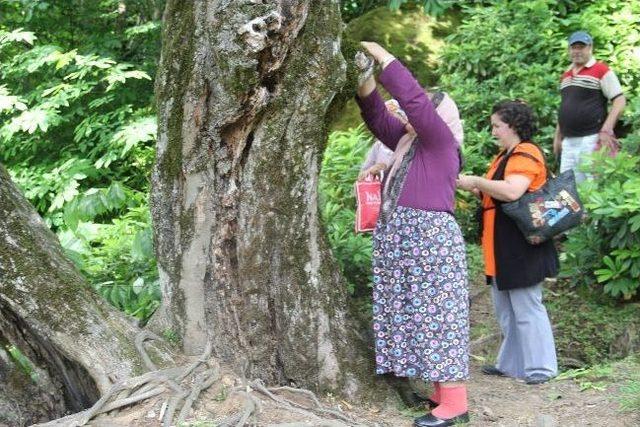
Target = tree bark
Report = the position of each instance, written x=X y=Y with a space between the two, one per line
x=243 y=91
x=79 y=344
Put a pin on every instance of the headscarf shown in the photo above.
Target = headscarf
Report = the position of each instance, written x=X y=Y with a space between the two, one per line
x=448 y=112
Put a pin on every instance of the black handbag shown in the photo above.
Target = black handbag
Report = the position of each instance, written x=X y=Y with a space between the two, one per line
x=548 y=211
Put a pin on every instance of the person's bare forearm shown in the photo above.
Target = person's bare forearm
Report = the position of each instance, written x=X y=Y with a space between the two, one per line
x=501 y=190
x=506 y=190
x=367 y=87
x=616 y=110
x=557 y=141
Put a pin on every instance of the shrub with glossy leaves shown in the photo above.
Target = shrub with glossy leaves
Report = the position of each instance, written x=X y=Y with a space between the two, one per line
x=343 y=157
x=606 y=249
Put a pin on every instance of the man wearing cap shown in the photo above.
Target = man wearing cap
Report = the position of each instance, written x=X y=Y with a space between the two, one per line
x=583 y=121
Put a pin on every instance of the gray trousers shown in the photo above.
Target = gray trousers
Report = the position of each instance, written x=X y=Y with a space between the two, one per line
x=527 y=346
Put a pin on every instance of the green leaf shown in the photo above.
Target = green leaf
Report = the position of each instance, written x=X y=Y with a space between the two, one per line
x=31 y=120
x=138 y=285
x=16 y=35
x=115 y=196
x=10 y=103
x=635 y=223
x=142 y=247
x=609 y=263
x=62 y=59
x=603 y=275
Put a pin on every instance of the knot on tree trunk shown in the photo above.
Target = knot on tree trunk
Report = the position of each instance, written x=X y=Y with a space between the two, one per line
x=256 y=32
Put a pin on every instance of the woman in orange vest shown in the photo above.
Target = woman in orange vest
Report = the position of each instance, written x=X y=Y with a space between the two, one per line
x=514 y=268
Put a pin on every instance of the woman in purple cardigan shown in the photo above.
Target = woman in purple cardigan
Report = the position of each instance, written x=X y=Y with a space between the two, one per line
x=420 y=295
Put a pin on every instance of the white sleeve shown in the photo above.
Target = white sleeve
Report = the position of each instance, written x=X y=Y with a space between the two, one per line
x=371 y=156
x=378 y=153
x=610 y=85
x=384 y=155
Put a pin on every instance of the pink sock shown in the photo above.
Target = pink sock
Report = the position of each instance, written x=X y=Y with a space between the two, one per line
x=453 y=402
x=435 y=396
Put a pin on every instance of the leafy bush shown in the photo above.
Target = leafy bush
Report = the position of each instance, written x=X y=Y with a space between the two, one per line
x=606 y=249
x=78 y=132
x=506 y=49
x=343 y=157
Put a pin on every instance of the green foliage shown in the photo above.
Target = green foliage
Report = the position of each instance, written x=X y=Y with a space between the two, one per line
x=343 y=157
x=591 y=378
x=505 y=50
x=411 y=35
x=587 y=322
x=78 y=132
x=117 y=257
x=630 y=393
x=475 y=264
x=430 y=7
x=606 y=249
x=352 y=9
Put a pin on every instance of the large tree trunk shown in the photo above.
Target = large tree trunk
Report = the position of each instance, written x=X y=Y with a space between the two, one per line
x=78 y=343
x=243 y=90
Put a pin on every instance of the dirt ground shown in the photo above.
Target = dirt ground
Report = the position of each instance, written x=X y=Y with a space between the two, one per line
x=495 y=402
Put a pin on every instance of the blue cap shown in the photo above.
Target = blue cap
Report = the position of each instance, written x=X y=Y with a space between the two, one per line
x=580 y=37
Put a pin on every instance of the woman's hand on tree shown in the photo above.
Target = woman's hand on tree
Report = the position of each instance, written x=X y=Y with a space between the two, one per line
x=365 y=66
x=378 y=53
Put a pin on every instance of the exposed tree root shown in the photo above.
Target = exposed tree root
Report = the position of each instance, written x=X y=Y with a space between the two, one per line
x=181 y=397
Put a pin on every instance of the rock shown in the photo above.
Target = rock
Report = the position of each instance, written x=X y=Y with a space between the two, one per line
x=488 y=414
x=544 y=420
x=627 y=343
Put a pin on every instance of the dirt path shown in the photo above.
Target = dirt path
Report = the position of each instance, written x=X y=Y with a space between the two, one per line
x=494 y=402
x=507 y=402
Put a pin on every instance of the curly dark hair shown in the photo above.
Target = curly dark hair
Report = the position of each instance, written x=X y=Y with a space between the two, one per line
x=519 y=116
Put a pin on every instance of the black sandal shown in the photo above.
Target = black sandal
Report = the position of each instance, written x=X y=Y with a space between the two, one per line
x=430 y=420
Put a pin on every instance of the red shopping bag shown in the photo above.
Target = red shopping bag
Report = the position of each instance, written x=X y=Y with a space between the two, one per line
x=368 y=200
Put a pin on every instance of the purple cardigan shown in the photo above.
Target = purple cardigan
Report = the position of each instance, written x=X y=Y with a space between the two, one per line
x=431 y=180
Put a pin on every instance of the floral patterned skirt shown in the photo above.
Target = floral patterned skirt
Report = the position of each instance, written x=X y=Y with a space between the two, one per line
x=420 y=296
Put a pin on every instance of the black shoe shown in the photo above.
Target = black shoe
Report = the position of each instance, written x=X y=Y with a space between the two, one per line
x=536 y=379
x=430 y=420
x=491 y=370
